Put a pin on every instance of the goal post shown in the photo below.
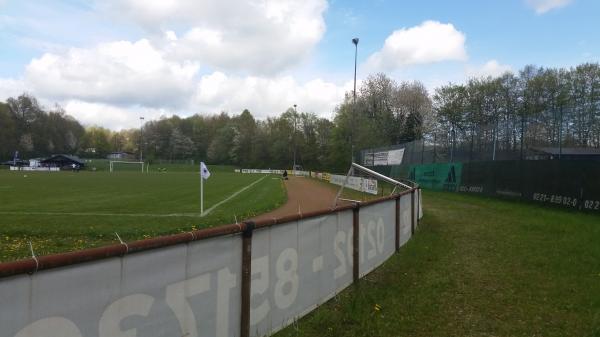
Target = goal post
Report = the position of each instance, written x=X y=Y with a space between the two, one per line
x=362 y=179
x=113 y=162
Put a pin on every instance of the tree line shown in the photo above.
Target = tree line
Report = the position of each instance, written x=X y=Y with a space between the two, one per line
x=27 y=127
x=535 y=107
x=392 y=111
x=513 y=113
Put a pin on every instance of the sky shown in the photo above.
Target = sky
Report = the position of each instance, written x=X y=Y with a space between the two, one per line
x=110 y=62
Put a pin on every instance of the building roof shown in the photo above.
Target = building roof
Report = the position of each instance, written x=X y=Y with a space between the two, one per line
x=19 y=162
x=63 y=158
x=569 y=151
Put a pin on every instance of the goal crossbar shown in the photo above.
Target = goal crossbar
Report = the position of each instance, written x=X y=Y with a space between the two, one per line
x=112 y=162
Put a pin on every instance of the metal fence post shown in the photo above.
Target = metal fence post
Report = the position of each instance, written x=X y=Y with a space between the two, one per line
x=418 y=204
x=355 y=242
x=246 y=278
x=397 y=223
x=412 y=212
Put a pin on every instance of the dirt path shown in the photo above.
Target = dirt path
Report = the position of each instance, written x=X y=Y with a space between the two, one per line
x=306 y=193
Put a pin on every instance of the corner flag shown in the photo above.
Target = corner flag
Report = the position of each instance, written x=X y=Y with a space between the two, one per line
x=204 y=173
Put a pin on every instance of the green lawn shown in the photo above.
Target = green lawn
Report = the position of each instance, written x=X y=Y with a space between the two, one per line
x=477 y=267
x=66 y=210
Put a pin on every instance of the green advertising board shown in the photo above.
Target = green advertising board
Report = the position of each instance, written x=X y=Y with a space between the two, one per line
x=445 y=176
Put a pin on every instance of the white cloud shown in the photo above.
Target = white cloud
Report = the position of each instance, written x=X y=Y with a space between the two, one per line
x=543 y=6
x=11 y=88
x=112 y=84
x=256 y=37
x=115 y=73
x=212 y=93
x=267 y=96
x=491 y=68
x=429 y=42
x=216 y=92
x=110 y=116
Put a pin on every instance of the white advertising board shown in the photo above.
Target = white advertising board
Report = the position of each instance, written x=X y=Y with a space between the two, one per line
x=405 y=219
x=355 y=183
x=262 y=171
x=380 y=158
x=395 y=157
x=185 y=290
x=377 y=240
x=194 y=289
x=297 y=266
x=38 y=168
x=384 y=158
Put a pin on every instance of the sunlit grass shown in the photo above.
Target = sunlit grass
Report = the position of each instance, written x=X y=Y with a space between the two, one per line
x=68 y=211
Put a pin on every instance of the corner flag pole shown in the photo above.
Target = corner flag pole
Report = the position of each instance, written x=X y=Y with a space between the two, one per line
x=201 y=192
x=204 y=174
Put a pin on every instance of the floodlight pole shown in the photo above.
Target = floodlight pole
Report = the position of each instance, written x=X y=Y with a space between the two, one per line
x=355 y=42
x=560 y=134
x=294 y=138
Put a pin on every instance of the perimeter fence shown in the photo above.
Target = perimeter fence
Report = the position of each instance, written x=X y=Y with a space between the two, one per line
x=247 y=279
x=570 y=182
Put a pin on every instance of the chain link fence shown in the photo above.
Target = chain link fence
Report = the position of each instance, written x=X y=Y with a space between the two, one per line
x=565 y=177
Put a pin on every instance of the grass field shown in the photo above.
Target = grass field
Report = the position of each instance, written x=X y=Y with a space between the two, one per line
x=65 y=211
x=477 y=267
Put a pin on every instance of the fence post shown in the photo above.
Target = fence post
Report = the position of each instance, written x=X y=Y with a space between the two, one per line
x=355 y=242
x=397 y=223
x=418 y=204
x=246 y=278
x=412 y=212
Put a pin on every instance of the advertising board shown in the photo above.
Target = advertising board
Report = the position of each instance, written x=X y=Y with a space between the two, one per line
x=197 y=287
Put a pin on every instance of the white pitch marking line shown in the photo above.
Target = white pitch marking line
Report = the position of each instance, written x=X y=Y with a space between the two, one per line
x=317 y=264
x=191 y=215
x=232 y=196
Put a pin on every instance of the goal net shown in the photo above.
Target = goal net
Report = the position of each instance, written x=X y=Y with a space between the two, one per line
x=132 y=166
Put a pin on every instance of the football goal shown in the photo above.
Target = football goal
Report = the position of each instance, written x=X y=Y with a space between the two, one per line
x=126 y=166
x=365 y=181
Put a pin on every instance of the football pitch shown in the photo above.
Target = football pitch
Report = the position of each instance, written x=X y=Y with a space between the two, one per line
x=65 y=211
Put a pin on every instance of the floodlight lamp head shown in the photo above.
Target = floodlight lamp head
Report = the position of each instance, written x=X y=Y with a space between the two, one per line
x=355 y=41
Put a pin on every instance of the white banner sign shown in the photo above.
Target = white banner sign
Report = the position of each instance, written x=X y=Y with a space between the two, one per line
x=297 y=265
x=262 y=171
x=184 y=290
x=355 y=183
x=39 y=168
x=395 y=157
x=384 y=158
